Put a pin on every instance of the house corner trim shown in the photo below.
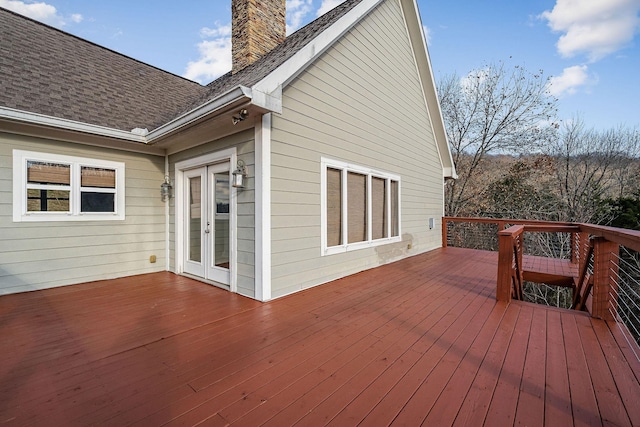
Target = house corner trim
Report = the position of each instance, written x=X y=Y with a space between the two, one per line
x=263 y=209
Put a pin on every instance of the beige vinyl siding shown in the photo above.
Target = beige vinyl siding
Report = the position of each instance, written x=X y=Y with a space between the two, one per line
x=360 y=102
x=244 y=143
x=38 y=255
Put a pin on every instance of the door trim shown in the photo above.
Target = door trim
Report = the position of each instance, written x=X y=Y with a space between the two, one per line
x=229 y=155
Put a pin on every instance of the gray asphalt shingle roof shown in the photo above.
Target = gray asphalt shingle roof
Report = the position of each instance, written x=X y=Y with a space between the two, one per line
x=47 y=71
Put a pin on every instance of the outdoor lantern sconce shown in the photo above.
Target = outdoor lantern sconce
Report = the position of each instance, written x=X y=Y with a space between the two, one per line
x=239 y=175
x=166 y=189
x=242 y=115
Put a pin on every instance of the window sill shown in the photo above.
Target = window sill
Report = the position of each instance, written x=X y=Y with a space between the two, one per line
x=359 y=245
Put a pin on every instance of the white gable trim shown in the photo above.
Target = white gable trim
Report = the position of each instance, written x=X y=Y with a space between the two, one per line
x=415 y=32
x=286 y=72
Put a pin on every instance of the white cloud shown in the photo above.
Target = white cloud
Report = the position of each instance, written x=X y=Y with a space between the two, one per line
x=40 y=11
x=596 y=28
x=297 y=11
x=327 y=5
x=219 y=31
x=215 y=55
x=570 y=80
x=427 y=34
x=117 y=33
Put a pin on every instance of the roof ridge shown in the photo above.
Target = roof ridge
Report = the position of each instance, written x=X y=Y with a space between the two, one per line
x=51 y=27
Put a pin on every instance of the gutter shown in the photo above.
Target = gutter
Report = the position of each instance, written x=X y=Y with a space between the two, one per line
x=48 y=121
x=221 y=104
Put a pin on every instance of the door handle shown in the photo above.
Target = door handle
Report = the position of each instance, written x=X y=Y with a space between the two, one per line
x=206 y=230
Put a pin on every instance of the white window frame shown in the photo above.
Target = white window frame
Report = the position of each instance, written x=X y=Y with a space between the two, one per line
x=345 y=168
x=20 y=186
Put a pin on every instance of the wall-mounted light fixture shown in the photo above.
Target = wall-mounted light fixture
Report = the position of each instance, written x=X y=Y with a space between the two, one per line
x=242 y=115
x=166 y=189
x=239 y=175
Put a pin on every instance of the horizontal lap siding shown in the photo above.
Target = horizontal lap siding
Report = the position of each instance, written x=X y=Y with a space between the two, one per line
x=37 y=255
x=360 y=102
x=245 y=145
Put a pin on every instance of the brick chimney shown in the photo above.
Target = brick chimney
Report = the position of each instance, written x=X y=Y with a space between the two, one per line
x=257 y=27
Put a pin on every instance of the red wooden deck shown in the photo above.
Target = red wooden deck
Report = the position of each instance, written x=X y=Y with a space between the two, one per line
x=421 y=341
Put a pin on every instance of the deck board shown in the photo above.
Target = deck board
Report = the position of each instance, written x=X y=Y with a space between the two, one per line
x=583 y=399
x=420 y=341
x=505 y=397
x=531 y=400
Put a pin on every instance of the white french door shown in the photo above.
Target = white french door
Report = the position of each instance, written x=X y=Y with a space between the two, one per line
x=207 y=232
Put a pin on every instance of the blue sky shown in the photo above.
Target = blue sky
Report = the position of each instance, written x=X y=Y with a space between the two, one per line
x=590 y=48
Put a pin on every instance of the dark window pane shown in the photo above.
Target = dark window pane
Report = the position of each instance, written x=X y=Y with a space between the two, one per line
x=97 y=202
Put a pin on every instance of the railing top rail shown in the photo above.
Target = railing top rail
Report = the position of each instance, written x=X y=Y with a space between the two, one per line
x=507 y=221
x=543 y=228
x=514 y=230
x=622 y=236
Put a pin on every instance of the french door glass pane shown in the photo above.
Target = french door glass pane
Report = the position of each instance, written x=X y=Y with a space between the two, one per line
x=221 y=244
x=195 y=219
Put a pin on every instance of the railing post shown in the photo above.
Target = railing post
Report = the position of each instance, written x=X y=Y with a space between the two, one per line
x=605 y=269
x=505 y=266
x=444 y=232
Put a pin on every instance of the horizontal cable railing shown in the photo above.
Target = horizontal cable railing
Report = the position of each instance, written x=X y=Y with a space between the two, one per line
x=482 y=233
x=625 y=292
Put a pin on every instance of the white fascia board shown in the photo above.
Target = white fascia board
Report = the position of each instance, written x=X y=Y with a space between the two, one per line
x=282 y=75
x=236 y=95
x=271 y=102
x=49 y=121
x=212 y=106
x=423 y=62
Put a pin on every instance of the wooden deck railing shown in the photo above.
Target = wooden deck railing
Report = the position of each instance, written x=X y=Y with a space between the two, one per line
x=510 y=269
x=593 y=251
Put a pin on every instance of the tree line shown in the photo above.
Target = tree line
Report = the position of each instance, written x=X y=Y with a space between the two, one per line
x=516 y=159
